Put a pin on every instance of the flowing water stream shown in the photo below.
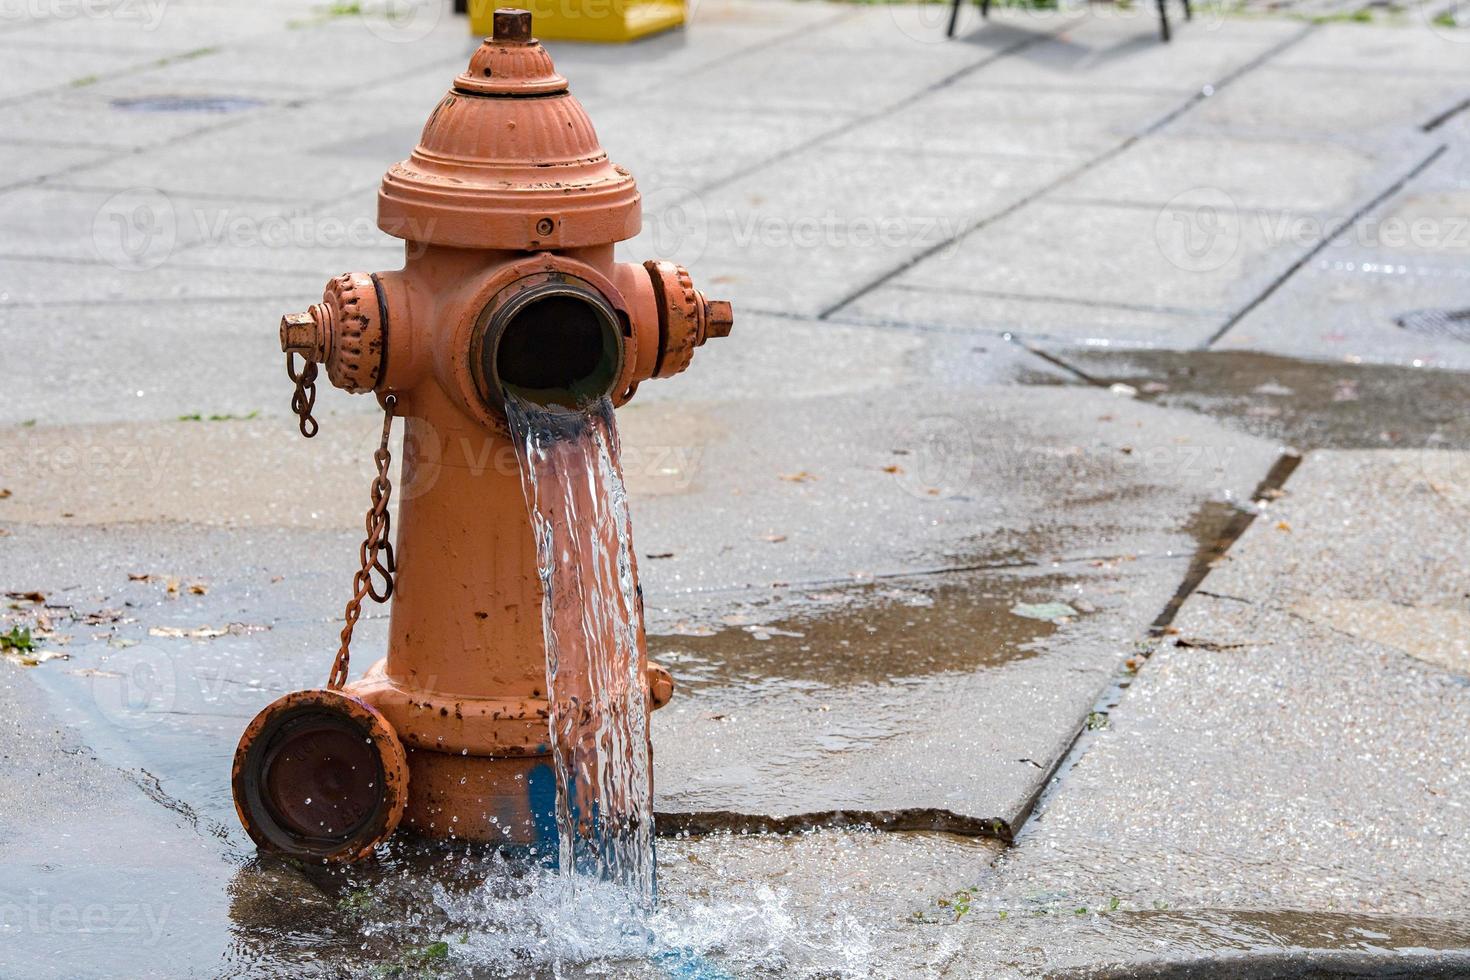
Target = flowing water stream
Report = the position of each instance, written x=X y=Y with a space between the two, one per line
x=595 y=664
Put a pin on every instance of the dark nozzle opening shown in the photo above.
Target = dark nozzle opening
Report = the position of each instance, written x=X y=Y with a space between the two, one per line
x=555 y=345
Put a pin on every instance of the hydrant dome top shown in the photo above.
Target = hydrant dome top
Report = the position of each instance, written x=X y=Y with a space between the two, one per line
x=509 y=160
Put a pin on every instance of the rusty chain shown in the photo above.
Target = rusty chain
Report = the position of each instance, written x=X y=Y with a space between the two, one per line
x=376 y=552
x=303 y=399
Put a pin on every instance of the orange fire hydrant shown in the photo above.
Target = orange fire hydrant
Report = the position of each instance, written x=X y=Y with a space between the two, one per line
x=510 y=209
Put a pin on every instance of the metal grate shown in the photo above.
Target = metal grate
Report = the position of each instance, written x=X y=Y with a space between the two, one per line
x=1449 y=324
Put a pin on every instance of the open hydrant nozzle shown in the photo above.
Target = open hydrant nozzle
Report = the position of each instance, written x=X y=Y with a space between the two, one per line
x=509 y=209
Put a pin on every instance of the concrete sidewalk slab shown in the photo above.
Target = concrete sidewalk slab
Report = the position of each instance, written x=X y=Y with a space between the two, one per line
x=1407 y=49
x=1303 y=177
x=804 y=233
x=1328 y=104
x=31 y=282
x=1117 y=49
x=87 y=118
x=1269 y=758
x=1346 y=305
x=1120 y=256
x=1044 y=320
x=970 y=122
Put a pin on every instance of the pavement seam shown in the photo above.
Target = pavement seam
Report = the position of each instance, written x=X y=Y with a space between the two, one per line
x=1446 y=116
x=1071 y=175
x=1068 y=300
x=886 y=110
x=273 y=104
x=1323 y=242
x=1112 y=696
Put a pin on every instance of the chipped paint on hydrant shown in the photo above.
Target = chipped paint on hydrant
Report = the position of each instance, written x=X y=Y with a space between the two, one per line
x=509 y=208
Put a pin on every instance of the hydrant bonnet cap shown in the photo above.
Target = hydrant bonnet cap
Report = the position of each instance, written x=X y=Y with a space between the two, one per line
x=509 y=160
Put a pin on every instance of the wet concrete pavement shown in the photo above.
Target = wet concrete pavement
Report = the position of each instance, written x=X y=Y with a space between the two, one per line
x=1028 y=322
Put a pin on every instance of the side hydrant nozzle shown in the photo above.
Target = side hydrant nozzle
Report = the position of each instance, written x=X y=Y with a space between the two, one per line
x=510 y=209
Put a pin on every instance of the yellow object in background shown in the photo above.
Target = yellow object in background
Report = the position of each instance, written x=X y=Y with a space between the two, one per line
x=585 y=20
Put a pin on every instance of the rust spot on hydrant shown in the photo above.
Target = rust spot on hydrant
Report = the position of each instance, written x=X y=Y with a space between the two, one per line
x=509 y=208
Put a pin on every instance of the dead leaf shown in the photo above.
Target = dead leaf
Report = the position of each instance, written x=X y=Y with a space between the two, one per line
x=894 y=468
x=1210 y=645
x=198 y=588
x=33 y=658
x=800 y=477
x=93 y=672
x=101 y=617
x=36 y=597
x=4 y=494
x=139 y=577
x=1053 y=612
x=775 y=538
x=173 y=586
x=1283 y=526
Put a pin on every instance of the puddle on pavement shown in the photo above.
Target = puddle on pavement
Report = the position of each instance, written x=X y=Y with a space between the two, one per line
x=831 y=903
x=743 y=905
x=866 y=634
x=826 y=903
x=1304 y=404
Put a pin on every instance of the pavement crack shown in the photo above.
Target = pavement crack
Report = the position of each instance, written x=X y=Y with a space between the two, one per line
x=1058 y=362
x=1225 y=597
x=704 y=822
x=1322 y=242
x=152 y=787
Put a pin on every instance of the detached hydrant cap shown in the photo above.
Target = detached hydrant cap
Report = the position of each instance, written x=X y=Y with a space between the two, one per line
x=509 y=160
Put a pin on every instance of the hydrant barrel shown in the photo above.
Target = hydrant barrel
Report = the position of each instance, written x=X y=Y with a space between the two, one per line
x=510 y=209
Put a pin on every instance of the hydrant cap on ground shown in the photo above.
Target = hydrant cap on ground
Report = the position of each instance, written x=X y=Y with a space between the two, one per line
x=509 y=160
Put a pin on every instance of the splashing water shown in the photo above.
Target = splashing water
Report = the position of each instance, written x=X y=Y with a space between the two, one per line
x=595 y=664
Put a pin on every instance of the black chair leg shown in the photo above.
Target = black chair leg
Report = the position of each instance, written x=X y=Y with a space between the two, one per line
x=985 y=9
x=1163 y=21
x=954 y=15
x=1188 y=10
